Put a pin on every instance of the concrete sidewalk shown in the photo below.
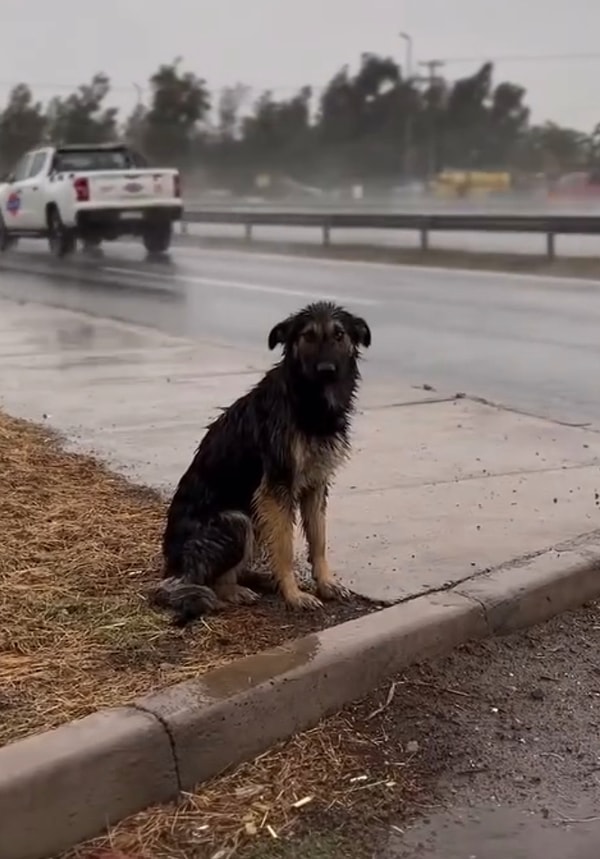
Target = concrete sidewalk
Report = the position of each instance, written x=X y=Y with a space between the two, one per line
x=439 y=488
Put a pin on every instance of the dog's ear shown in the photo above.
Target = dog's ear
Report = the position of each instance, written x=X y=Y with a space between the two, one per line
x=279 y=333
x=359 y=331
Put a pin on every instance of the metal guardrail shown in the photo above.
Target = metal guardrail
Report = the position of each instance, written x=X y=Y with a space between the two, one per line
x=425 y=224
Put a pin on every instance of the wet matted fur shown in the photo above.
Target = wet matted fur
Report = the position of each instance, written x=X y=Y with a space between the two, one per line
x=270 y=455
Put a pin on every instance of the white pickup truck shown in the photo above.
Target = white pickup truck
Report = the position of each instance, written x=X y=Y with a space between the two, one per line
x=94 y=193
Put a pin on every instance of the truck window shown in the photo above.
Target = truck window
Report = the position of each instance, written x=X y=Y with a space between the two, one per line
x=21 y=168
x=37 y=164
x=88 y=160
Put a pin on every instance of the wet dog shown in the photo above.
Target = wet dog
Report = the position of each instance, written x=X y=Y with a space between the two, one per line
x=271 y=454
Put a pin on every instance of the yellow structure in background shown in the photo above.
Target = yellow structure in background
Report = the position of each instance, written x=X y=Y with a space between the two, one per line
x=471 y=183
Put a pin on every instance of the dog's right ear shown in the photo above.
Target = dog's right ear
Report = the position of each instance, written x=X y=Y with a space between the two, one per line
x=279 y=334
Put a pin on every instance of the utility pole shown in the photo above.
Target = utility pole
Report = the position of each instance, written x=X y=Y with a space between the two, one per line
x=408 y=123
x=431 y=78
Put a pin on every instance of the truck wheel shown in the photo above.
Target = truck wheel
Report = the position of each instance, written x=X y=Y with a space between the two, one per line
x=157 y=237
x=62 y=240
x=6 y=240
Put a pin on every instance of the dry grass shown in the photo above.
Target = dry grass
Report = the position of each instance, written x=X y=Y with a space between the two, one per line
x=79 y=545
x=343 y=771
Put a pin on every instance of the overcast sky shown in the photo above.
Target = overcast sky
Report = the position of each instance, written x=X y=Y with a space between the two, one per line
x=281 y=44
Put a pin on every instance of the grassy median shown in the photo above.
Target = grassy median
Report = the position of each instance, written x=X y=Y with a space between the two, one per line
x=79 y=546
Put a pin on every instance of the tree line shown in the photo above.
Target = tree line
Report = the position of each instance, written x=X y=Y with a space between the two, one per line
x=372 y=125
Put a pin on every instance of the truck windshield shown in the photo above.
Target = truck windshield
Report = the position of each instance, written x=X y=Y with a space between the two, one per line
x=84 y=160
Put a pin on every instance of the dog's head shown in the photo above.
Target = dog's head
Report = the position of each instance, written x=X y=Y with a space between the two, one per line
x=323 y=340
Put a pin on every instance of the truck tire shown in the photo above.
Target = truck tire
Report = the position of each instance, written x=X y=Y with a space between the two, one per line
x=6 y=240
x=61 y=239
x=157 y=237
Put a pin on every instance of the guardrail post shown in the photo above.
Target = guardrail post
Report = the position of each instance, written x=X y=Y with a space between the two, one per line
x=326 y=234
x=184 y=227
x=248 y=232
x=424 y=239
x=550 y=246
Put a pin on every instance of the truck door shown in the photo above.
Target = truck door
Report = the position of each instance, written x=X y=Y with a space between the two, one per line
x=33 y=200
x=12 y=202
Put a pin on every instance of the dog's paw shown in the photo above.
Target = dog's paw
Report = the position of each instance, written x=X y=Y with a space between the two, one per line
x=303 y=601
x=244 y=596
x=332 y=590
x=262 y=581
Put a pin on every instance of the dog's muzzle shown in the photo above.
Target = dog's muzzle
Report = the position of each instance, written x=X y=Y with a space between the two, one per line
x=326 y=368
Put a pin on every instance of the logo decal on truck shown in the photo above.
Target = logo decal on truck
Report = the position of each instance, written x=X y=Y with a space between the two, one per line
x=132 y=187
x=13 y=204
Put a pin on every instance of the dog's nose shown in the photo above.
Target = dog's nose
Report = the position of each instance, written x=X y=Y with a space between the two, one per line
x=326 y=367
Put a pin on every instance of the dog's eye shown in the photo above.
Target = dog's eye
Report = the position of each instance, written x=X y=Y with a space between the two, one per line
x=310 y=336
x=338 y=334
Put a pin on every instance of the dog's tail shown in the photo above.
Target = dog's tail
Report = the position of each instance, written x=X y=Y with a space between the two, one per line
x=219 y=545
x=187 y=600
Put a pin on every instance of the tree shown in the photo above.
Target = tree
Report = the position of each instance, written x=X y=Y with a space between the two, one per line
x=508 y=123
x=354 y=107
x=230 y=103
x=466 y=122
x=482 y=125
x=180 y=101
x=277 y=134
x=372 y=127
x=594 y=147
x=82 y=117
x=133 y=131
x=363 y=118
x=553 y=149
x=22 y=125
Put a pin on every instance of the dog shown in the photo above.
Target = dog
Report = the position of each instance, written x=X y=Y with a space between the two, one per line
x=269 y=455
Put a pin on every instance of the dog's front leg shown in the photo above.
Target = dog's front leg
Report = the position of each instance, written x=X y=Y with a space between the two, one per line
x=274 y=513
x=313 y=509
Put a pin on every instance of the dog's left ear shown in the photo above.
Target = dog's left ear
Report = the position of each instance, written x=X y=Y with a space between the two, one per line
x=359 y=331
x=279 y=334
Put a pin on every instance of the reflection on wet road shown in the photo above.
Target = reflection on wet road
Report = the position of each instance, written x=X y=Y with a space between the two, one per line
x=529 y=342
x=497 y=832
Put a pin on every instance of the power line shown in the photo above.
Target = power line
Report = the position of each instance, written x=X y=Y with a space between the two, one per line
x=527 y=58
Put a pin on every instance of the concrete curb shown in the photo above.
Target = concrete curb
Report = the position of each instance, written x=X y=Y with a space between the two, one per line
x=66 y=785
x=62 y=786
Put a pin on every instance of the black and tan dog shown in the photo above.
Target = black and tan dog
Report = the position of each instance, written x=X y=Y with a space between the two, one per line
x=270 y=454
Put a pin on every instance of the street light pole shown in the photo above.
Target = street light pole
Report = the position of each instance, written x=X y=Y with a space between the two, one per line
x=407 y=38
x=408 y=122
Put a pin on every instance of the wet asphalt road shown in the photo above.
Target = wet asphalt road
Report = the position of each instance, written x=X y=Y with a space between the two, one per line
x=517 y=748
x=529 y=342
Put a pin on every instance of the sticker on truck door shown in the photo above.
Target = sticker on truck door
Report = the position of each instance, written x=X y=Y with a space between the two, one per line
x=13 y=204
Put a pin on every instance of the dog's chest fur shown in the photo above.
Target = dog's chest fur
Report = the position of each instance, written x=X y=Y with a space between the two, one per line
x=317 y=460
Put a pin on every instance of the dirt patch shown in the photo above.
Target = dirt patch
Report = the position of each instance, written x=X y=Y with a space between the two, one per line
x=79 y=547
x=583 y=267
x=508 y=720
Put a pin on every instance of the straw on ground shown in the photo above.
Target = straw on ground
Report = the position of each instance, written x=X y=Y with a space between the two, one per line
x=79 y=547
x=344 y=771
